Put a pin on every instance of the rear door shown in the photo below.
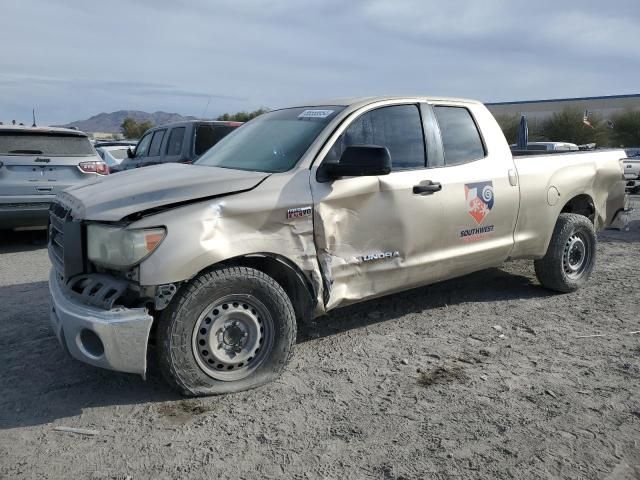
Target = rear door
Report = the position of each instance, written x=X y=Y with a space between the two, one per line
x=41 y=163
x=479 y=193
x=175 y=150
x=154 y=154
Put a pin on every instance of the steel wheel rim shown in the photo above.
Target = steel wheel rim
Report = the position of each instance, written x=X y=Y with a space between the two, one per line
x=576 y=256
x=232 y=337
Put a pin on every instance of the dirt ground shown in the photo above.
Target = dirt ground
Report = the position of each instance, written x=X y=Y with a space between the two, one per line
x=487 y=376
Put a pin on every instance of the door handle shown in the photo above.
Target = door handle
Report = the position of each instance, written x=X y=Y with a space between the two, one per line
x=427 y=188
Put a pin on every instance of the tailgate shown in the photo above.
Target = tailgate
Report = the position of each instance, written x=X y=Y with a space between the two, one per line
x=41 y=175
x=42 y=163
x=631 y=168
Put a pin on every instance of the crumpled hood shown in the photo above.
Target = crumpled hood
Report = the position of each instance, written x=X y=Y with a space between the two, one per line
x=114 y=197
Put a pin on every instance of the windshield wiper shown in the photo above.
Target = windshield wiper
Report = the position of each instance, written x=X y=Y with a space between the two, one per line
x=29 y=152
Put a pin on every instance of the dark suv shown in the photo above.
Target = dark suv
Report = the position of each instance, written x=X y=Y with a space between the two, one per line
x=181 y=142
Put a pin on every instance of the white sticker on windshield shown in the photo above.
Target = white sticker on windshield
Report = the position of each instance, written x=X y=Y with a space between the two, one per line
x=315 y=114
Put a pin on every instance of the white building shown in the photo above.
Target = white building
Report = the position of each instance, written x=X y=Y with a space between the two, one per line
x=538 y=110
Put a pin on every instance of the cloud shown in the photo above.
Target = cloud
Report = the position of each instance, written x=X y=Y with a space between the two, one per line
x=74 y=58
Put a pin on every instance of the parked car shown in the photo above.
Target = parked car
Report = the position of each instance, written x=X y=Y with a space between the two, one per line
x=113 y=153
x=550 y=146
x=35 y=164
x=304 y=210
x=181 y=142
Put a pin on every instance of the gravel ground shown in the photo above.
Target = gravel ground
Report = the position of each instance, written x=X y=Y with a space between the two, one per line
x=487 y=376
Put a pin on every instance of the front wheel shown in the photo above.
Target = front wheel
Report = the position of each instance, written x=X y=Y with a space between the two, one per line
x=571 y=255
x=226 y=331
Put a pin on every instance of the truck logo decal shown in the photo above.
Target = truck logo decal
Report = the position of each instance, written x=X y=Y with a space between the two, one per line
x=378 y=256
x=480 y=199
x=299 y=212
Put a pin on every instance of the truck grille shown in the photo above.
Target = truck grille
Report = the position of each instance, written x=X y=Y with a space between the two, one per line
x=57 y=216
x=66 y=242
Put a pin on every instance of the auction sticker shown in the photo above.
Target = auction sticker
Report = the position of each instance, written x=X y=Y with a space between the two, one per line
x=315 y=114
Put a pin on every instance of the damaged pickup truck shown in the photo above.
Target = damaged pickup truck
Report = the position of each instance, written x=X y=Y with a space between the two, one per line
x=303 y=210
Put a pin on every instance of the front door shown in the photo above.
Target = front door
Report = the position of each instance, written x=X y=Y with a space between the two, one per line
x=375 y=235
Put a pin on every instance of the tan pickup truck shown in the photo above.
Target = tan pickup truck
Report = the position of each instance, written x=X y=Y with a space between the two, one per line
x=303 y=210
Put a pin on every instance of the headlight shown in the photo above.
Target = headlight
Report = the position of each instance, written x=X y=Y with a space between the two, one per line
x=120 y=248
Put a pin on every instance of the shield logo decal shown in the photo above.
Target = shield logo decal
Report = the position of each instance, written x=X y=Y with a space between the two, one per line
x=480 y=199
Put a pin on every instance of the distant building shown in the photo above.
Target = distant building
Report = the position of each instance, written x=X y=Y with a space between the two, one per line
x=538 y=110
x=104 y=136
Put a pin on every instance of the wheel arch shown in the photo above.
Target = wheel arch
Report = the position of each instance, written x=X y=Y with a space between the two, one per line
x=581 y=204
x=288 y=275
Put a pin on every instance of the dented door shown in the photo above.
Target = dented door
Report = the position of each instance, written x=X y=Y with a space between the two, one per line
x=375 y=235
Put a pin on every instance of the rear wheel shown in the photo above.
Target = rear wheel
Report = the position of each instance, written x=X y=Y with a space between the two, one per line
x=571 y=255
x=226 y=331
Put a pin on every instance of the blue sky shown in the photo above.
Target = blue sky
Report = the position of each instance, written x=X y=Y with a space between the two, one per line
x=75 y=58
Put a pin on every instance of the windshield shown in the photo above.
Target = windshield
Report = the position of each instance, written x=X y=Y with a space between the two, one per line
x=51 y=144
x=272 y=142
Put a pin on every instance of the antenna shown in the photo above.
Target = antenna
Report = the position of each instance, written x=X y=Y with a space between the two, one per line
x=205 y=108
x=34 y=117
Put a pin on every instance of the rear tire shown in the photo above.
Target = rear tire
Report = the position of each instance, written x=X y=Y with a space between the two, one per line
x=571 y=255
x=226 y=331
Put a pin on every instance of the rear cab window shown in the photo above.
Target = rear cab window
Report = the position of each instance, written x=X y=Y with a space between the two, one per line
x=397 y=127
x=461 y=139
x=49 y=144
x=208 y=135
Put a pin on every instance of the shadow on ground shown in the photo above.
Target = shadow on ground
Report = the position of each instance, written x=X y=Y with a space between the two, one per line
x=44 y=384
x=485 y=286
x=22 y=241
x=630 y=234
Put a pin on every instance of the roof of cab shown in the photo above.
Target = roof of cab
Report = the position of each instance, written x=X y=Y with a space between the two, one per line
x=222 y=123
x=49 y=130
x=361 y=101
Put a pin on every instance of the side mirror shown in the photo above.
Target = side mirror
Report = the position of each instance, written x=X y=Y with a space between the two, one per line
x=358 y=161
x=130 y=152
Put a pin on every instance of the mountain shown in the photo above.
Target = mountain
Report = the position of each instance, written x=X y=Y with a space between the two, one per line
x=110 y=122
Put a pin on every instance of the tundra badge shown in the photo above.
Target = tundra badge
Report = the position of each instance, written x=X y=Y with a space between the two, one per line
x=299 y=212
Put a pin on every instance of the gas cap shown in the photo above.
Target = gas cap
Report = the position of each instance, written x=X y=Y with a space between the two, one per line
x=552 y=196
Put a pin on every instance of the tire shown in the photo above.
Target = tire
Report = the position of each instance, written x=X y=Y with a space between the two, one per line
x=571 y=255
x=226 y=331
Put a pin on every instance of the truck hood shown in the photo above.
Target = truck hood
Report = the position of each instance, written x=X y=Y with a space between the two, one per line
x=114 y=197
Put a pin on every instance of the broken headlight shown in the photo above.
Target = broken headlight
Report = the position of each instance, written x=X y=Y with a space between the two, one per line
x=120 y=248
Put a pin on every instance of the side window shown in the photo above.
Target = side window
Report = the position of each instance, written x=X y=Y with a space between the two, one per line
x=460 y=137
x=399 y=128
x=176 y=139
x=143 y=146
x=156 y=143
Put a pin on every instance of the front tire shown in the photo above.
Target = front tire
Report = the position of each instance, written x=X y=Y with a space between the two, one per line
x=226 y=331
x=571 y=255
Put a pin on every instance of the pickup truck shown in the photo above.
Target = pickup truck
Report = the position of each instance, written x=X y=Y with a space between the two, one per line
x=179 y=142
x=303 y=210
x=632 y=174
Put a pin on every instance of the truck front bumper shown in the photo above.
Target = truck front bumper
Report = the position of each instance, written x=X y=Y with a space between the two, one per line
x=115 y=339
